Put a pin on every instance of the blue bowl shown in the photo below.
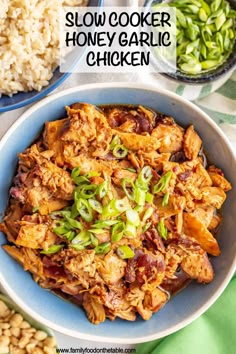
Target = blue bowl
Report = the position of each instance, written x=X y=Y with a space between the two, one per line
x=65 y=317
x=24 y=98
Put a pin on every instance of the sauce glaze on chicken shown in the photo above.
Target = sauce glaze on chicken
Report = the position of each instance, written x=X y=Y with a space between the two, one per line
x=116 y=209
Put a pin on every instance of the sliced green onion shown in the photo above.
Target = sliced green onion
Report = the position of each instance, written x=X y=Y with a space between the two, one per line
x=52 y=249
x=92 y=174
x=149 y=198
x=120 y=151
x=103 y=189
x=61 y=229
x=109 y=210
x=144 y=176
x=95 y=205
x=125 y=252
x=82 y=238
x=74 y=211
x=73 y=223
x=35 y=209
x=115 y=141
x=139 y=208
x=104 y=223
x=162 y=230
x=146 y=227
x=132 y=217
x=103 y=248
x=70 y=235
x=117 y=232
x=165 y=199
x=131 y=170
x=148 y=213
x=75 y=174
x=88 y=191
x=121 y=205
x=97 y=231
x=125 y=183
x=139 y=196
x=84 y=209
x=78 y=247
x=163 y=182
x=130 y=230
x=94 y=240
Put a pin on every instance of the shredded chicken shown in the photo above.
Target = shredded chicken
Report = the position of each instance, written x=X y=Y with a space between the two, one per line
x=115 y=209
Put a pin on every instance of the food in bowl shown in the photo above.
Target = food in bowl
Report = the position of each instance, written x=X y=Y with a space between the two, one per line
x=18 y=335
x=205 y=34
x=116 y=209
x=29 y=38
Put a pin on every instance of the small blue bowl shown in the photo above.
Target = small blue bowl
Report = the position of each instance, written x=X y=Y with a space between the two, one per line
x=24 y=98
x=185 y=307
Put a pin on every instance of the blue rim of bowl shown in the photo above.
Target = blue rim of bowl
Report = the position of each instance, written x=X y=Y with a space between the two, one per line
x=50 y=88
x=206 y=77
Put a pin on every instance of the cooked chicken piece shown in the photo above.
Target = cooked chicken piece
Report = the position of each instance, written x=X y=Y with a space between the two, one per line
x=154 y=159
x=146 y=268
x=135 y=142
x=111 y=268
x=215 y=222
x=137 y=161
x=154 y=300
x=129 y=126
x=46 y=207
x=52 y=139
x=218 y=179
x=35 y=236
x=191 y=143
x=95 y=311
x=204 y=214
x=88 y=164
x=214 y=196
x=119 y=174
x=15 y=253
x=170 y=137
x=148 y=114
x=82 y=263
x=179 y=222
x=198 y=266
x=136 y=298
x=193 y=227
x=27 y=257
x=86 y=125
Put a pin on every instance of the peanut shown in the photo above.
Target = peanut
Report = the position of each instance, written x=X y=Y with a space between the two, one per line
x=18 y=337
x=40 y=335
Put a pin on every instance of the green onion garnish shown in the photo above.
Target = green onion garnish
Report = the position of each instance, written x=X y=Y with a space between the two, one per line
x=163 y=182
x=125 y=252
x=139 y=196
x=82 y=238
x=146 y=227
x=103 y=248
x=149 y=198
x=130 y=230
x=52 y=249
x=131 y=169
x=162 y=230
x=88 y=191
x=132 y=217
x=104 y=223
x=115 y=141
x=35 y=209
x=84 y=209
x=148 y=213
x=144 y=176
x=126 y=183
x=103 y=189
x=120 y=151
x=165 y=199
x=117 y=232
x=95 y=205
